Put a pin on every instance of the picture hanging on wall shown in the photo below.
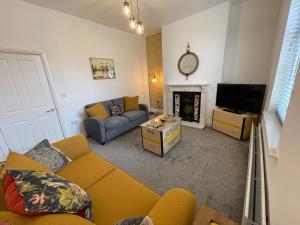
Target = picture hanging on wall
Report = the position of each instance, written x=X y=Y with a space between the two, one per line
x=102 y=68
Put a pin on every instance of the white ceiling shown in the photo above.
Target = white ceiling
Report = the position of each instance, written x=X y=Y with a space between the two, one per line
x=153 y=13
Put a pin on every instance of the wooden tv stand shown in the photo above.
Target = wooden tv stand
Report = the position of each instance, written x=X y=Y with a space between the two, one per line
x=232 y=124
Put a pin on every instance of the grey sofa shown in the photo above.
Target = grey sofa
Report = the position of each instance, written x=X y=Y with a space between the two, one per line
x=103 y=131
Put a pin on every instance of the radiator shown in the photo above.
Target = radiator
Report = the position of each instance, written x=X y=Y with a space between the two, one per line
x=254 y=204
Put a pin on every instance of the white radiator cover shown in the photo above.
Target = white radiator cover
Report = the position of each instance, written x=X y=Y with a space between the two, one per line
x=255 y=194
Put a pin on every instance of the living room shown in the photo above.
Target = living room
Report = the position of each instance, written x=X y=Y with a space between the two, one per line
x=108 y=78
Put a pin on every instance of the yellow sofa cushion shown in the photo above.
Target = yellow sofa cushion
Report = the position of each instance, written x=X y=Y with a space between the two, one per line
x=86 y=170
x=98 y=111
x=131 y=103
x=73 y=147
x=21 y=162
x=117 y=196
x=10 y=218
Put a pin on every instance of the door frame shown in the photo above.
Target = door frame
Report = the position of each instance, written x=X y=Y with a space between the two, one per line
x=48 y=78
x=3 y=152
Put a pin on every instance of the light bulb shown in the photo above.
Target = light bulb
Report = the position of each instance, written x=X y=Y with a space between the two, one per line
x=126 y=9
x=154 y=80
x=132 y=23
x=140 y=28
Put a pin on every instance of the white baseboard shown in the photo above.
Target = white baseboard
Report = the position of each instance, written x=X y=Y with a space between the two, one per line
x=209 y=124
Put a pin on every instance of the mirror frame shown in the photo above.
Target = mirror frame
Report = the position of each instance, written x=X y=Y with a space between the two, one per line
x=180 y=59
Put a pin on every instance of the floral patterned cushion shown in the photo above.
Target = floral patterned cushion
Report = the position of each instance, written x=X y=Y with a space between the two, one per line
x=141 y=220
x=115 y=109
x=48 y=156
x=30 y=193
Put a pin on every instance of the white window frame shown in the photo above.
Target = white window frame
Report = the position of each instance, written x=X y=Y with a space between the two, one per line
x=271 y=122
x=288 y=64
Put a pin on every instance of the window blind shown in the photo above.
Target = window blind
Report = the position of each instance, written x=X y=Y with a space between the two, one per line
x=288 y=62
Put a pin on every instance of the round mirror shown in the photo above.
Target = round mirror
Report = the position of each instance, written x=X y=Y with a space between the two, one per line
x=188 y=63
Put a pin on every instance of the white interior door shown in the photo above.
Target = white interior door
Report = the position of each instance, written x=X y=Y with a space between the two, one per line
x=27 y=109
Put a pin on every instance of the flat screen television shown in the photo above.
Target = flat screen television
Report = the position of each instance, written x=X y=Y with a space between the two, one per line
x=240 y=98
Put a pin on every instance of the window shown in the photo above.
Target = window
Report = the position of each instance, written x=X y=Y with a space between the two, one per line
x=288 y=63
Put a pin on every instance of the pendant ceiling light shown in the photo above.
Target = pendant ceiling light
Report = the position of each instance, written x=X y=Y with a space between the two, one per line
x=132 y=23
x=126 y=9
x=138 y=26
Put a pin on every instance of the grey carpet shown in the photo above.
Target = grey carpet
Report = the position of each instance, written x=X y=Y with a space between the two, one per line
x=206 y=162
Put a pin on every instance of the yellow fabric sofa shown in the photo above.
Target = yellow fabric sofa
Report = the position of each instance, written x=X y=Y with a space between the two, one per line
x=114 y=194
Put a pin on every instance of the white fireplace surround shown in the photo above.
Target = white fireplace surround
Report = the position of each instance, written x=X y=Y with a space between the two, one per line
x=189 y=88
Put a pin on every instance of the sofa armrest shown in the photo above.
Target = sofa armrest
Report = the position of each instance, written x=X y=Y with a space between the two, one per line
x=94 y=127
x=145 y=108
x=73 y=147
x=177 y=206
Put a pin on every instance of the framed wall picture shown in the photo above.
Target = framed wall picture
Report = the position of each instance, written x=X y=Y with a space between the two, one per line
x=102 y=68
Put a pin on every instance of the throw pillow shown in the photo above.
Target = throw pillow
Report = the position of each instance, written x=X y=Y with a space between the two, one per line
x=16 y=161
x=115 y=109
x=119 y=100
x=30 y=193
x=98 y=111
x=131 y=103
x=48 y=156
x=142 y=220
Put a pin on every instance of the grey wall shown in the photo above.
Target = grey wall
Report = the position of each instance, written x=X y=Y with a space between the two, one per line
x=250 y=37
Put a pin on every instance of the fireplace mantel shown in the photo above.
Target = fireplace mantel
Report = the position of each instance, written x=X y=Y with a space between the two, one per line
x=189 y=88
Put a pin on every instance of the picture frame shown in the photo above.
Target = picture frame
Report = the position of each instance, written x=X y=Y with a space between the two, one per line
x=102 y=68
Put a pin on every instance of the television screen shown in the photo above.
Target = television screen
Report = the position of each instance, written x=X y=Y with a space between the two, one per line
x=241 y=97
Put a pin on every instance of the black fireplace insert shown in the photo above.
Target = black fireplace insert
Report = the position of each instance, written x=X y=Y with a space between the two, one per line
x=187 y=105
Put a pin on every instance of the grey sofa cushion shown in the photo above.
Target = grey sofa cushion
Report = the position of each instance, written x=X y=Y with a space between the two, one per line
x=115 y=122
x=119 y=100
x=134 y=115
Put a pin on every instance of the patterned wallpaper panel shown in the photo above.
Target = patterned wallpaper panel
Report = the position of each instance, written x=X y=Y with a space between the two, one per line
x=154 y=60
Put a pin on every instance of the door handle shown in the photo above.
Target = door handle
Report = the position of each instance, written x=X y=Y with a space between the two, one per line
x=50 y=110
